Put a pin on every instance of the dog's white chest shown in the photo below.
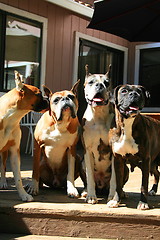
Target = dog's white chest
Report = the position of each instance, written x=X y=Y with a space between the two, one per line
x=126 y=144
x=93 y=133
x=56 y=144
x=93 y=136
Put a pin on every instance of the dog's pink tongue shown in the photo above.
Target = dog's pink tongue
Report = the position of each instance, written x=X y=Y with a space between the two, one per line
x=133 y=108
x=98 y=99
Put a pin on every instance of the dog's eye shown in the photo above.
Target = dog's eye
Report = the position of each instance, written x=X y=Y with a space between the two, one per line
x=71 y=96
x=91 y=82
x=106 y=83
x=139 y=91
x=124 y=91
x=56 y=100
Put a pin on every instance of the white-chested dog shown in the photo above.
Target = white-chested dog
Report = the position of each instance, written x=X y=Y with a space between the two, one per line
x=13 y=106
x=56 y=135
x=135 y=139
x=96 y=125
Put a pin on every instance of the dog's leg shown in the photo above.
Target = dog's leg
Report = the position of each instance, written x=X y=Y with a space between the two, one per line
x=3 y=182
x=33 y=187
x=15 y=164
x=71 y=190
x=119 y=173
x=112 y=189
x=91 y=192
x=112 y=197
x=154 y=188
x=143 y=203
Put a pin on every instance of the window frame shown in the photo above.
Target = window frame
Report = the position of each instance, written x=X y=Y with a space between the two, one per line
x=86 y=37
x=33 y=18
x=138 y=48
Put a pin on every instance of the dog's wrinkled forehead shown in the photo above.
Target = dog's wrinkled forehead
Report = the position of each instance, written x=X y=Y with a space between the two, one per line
x=127 y=91
x=96 y=78
x=62 y=96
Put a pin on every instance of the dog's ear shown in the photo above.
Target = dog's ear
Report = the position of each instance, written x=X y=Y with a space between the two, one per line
x=18 y=81
x=108 y=73
x=146 y=94
x=75 y=87
x=115 y=95
x=47 y=91
x=87 y=71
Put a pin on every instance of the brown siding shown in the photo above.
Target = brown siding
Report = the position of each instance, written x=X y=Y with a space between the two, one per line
x=62 y=25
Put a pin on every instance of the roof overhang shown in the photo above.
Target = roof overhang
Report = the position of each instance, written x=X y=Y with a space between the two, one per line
x=74 y=6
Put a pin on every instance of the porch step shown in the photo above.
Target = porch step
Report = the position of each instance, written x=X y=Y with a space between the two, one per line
x=54 y=214
x=40 y=237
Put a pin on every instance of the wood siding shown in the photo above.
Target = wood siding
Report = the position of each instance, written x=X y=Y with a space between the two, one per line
x=62 y=25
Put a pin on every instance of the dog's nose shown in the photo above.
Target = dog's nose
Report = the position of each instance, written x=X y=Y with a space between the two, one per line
x=99 y=86
x=65 y=99
x=133 y=94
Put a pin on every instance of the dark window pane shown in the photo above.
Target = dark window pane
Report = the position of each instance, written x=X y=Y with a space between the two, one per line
x=149 y=76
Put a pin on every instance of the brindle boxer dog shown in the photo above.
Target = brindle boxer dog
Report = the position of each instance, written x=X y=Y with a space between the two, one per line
x=56 y=135
x=13 y=106
x=96 y=125
x=135 y=139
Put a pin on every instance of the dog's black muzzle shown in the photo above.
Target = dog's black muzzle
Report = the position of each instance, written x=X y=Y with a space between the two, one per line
x=42 y=104
x=131 y=105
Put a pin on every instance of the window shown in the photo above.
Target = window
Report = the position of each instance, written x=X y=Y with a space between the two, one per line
x=98 y=57
x=149 y=74
x=20 y=49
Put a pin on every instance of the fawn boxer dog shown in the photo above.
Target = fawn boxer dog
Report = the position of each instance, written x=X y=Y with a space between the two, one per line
x=13 y=106
x=96 y=125
x=56 y=135
x=135 y=139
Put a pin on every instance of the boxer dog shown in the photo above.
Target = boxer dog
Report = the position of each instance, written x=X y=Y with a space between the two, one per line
x=13 y=106
x=56 y=135
x=135 y=139
x=96 y=125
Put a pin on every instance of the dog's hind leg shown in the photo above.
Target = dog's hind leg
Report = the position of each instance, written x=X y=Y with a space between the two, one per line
x=154 y=188
x=3 y=182
x=15 y=164
x=143 y=203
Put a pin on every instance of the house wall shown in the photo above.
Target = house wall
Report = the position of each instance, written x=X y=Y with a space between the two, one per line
x=62 y=25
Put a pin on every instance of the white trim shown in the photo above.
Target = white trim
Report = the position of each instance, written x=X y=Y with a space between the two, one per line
x=137 y=65
x=79 y=35
x=74 y=6
x=38 y=18
x=98 y=1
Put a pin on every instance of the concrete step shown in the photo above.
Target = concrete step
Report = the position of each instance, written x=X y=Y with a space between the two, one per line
x=54 y=214
x=40 y=237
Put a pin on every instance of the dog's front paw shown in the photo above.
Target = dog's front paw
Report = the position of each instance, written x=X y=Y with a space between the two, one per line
x=3 y=184
x=84 y=193
x=71 y=190
x=73 y=193
x=143 y=206
x=113 y=204
x=152 y=193
x=91 y=199
x=26 y=197
x=32 y=188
